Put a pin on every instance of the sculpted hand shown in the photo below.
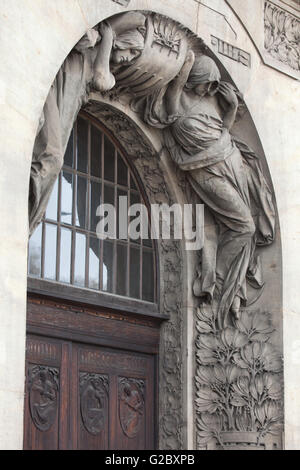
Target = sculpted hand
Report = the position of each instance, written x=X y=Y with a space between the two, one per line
x=105 y=29
x=103 y=81
x=228 y=94
x=187 y=66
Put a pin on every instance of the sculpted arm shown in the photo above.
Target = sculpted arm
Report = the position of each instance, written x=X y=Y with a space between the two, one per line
x=231 y=104
x=175 y=89
x=103 y=78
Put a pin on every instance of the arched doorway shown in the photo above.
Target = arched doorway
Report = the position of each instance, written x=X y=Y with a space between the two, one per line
x=172 y=358
x=92 y=322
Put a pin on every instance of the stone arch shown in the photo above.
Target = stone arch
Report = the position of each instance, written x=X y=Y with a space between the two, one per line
x=173 y=289
x=88 y=16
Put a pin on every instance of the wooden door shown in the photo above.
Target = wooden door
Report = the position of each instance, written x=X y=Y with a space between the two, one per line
x=87 y=396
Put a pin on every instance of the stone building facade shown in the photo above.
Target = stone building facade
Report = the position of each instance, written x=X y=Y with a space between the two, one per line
x=163 y=365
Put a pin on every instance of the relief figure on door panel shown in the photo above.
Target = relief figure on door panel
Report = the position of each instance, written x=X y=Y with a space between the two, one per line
x=131 y=406
x=43 y=396
x=93 y=401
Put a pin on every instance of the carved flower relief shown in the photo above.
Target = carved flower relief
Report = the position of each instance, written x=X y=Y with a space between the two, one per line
x=131 y=405
x=93 y=401
x=43 y=396
x=282 y=36
x=238 y=381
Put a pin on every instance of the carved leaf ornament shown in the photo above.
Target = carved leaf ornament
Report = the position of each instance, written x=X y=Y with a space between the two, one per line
x=282 y=36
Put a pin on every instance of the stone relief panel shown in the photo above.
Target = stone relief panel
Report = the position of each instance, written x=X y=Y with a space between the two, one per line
x=282 y=33
x=174 y=85
x=239 y=398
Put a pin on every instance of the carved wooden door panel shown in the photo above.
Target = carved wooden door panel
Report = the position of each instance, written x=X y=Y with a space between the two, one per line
x=46 y=394
x=115 y=400
x=87 y=397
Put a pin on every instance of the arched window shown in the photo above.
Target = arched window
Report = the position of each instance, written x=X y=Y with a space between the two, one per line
x=64 y=248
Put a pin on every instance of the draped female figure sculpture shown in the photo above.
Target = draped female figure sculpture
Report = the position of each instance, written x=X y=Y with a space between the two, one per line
x=197 y=111
x=119 y=41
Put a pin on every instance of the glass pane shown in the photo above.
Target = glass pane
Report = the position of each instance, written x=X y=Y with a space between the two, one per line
x=109 y=160
x=121 y=269
x=81 y=202
x=95 y=202
x=148 y=242
x=94 y=255
x=66 y=197
x=65 y=255
x=122 y=172
x=132 y=183
x=148 y=276
x=79 y=267
x=135 y=199
x=109 y=195
x=35 y=252
x=82 y=145
x=135 y=272
x=108 y=263
x=51 y=212
x=96 y=141
x=50 y=251
x=122 y=215
x=68 y=160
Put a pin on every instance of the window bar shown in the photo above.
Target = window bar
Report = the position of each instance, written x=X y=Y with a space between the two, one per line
x=58 y=249
x=115 y=255
x=73 y=256
x=57 y=225
x=88 y=208
x=128 y=240
x=75 y=152
x=102 y=198
x=141 y=270
x=74 y=180
x=43 y=250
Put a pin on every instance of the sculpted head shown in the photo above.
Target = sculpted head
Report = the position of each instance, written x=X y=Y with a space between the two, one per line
x=127 y=47
x=204 y=77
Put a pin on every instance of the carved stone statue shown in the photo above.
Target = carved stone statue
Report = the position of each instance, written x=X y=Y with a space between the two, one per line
x=197 y=111
x=88 y=65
